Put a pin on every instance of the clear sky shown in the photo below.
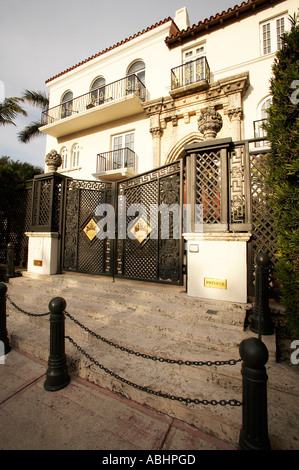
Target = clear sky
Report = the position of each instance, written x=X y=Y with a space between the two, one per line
x=39 y=39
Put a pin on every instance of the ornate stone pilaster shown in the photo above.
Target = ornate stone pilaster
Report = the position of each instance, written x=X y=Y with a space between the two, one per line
x=235 y=116
x=210 y=123
x=157 y=133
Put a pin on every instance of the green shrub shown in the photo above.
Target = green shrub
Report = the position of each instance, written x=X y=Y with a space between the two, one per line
x=283 y=132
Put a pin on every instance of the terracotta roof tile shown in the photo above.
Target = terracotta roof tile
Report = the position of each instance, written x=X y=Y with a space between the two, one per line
x=150 y=28
x=230 y=14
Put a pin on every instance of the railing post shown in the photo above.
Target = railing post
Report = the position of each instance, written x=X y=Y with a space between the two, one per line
x=10 y=260
x=261 y=320
x=3 y=329
x=57 y=376
x=254 y=431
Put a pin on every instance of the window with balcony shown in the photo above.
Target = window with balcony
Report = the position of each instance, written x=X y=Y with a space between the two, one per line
x=136 y=79
x=137 y=69
x=67 y=104
x=193 y=73
x=97 y=91
x=271 y=32
x=193 y=53
x=123 y=149
x=121 y=160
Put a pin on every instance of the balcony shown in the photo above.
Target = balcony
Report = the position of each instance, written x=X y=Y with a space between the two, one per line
x=117 y=100
x=116 y=165
x=190 y=78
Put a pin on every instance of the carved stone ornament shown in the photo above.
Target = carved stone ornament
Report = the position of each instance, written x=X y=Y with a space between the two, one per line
x=53 y=160
x=210 y=123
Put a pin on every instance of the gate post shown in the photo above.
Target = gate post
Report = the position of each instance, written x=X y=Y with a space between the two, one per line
x=3 y=330
x=261 y=321
x=254 y=431
x=57 y=376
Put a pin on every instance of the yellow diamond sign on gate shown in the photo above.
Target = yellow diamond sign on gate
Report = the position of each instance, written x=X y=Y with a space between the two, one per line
x=91 y=229
x=140 y=230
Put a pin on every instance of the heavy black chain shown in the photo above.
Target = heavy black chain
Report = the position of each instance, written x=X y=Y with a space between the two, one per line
x=196 y=401
x=230 y=362
x=24 y=311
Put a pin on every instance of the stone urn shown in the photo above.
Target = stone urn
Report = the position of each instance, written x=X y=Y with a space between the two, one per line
x=210 y=123
x=53 y=160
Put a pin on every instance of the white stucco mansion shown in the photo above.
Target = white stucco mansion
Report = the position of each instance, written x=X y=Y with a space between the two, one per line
x=166 y=115
x=136 y=105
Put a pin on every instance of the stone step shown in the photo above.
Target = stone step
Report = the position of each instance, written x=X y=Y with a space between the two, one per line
x=137 y=340
x=155 y=320
x=111 y=322
x=109 y=297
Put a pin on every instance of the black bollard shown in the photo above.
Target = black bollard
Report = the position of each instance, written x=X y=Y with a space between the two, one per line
x=57 y=376
x=254 y=431
x=3 y=329
x=10 y=260
x=261 y=320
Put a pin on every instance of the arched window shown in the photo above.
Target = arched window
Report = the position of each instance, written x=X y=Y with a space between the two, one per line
x=136 y=79
x=138 y=68
x=75 y=155
x=97 y=91
x=67 y=104
x=63 y=154
x=262 y=115
x=264 y=106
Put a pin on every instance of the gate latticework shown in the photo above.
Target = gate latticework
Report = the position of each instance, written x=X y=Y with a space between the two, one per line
x=83 y=250
x=153 y=257
x=13 y=225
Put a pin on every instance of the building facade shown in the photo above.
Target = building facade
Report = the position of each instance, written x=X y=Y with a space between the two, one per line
x=166 y=116
x=135 y=105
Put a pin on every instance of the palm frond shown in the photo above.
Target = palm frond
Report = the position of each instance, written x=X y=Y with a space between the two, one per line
x=29 y=132
x=9 y=109
x=36 y=98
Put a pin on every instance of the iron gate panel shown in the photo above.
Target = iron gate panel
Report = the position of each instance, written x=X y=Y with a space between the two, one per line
x=84 y=251
x=154 y=258
x=140 y=259
x=264 y=238
x=14 y=224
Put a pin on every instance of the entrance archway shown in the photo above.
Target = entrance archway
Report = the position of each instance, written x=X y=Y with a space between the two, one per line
x=177 y=151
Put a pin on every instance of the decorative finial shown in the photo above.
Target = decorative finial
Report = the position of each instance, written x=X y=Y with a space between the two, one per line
x=53 y=160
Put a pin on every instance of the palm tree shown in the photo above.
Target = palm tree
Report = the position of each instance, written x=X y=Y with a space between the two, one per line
x=9 y=109
x=39 y=99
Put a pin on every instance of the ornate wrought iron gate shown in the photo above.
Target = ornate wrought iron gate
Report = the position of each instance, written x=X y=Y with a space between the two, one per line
x=147 y=254
x=137 y=250
x=83 y=250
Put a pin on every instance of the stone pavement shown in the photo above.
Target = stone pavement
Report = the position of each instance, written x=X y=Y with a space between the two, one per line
x=83 y=416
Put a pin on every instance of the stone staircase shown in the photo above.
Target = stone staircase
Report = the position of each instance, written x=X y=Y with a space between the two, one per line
x=156 y=320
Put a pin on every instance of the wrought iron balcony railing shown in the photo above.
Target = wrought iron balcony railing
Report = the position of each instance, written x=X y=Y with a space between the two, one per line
x=99 y=96
x=124 y=158
x=192 y=72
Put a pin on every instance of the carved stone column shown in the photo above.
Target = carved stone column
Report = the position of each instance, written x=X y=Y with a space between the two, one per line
x=153 y=110
x=235 y=115
x=156 y=146
x=210 y=123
